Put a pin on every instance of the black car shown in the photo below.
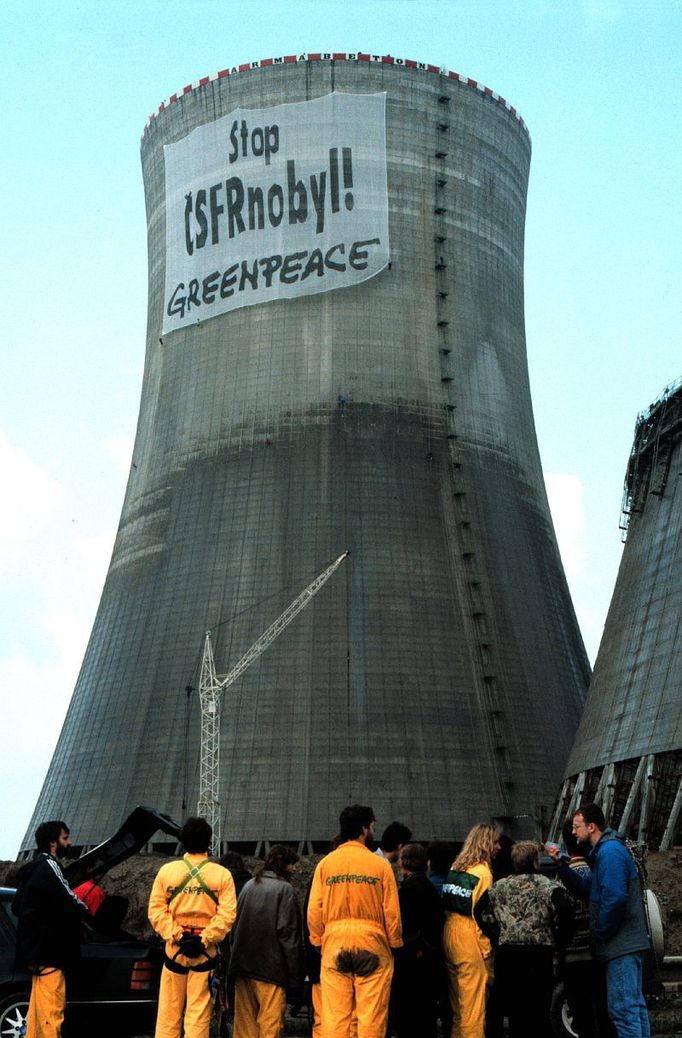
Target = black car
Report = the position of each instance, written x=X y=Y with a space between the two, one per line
x=114 y=987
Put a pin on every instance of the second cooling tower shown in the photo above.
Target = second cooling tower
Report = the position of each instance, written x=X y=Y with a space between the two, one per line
x=627 y=754
x=335 y=360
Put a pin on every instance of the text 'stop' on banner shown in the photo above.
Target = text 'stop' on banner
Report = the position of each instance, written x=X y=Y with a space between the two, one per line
x=274 y=203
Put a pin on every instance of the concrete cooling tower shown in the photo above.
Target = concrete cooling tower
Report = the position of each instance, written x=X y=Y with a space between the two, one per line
x=628 y=751
x=335 y=361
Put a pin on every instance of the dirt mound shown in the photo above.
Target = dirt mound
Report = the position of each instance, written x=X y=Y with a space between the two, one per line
x=133 y=879
x=665 y=879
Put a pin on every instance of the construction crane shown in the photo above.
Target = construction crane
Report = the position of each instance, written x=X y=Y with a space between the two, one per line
x=211 y=688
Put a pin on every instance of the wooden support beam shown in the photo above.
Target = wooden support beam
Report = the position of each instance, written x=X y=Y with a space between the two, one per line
x=632 y=796
x=558 y=812
x=609 y=778
x=669 y=834
x=578 y=791
x=648 y=797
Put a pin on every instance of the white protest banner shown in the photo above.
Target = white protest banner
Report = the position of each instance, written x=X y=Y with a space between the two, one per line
x=275 y=203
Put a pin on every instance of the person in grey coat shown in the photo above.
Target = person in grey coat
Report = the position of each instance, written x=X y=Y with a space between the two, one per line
x=266 y=957
x=617 y=921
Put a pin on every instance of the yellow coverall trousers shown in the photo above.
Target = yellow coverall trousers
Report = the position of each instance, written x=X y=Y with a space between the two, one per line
x=316 y=996
x=351 y=1004
x=184 y=1003
x=46 y=1007
x=259 y=1009
x=468 y=976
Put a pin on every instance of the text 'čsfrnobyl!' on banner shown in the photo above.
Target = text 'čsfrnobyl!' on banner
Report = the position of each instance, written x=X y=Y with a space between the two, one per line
x=275 y=203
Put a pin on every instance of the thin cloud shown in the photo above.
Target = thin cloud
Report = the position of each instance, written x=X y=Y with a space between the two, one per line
x=36 y=696
x=587 y=573
x=95 y=555
x=601 y=14
x=31 y=495
x=120 y=448
x=567 y=502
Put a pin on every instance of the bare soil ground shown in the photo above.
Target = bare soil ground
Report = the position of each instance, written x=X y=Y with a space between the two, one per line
x=665 y=879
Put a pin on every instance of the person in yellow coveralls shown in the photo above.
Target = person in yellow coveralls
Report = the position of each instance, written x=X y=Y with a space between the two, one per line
x=468 y=953
x=192 y=906
x=354 y=915
x=313 y=963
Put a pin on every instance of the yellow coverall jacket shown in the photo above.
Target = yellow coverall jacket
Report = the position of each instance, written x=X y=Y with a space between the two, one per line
x=468 y=957
x=173 y=912
x=353 y=908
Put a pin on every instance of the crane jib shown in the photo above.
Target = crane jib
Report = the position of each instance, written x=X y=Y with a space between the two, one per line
x=211 y=687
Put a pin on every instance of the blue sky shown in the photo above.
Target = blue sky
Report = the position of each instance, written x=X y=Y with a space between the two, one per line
x=598 y=84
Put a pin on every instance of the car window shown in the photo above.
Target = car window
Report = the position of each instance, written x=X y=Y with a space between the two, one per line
x=8 y=922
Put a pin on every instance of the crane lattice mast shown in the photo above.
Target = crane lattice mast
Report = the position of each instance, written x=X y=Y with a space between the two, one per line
x=212 y=686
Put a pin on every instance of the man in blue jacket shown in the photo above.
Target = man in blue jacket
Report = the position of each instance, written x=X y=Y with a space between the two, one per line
x=617 y=923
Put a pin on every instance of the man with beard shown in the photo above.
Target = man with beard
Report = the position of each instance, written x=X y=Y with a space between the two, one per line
x=584 y=978
x=49 y=929
x=617 y=921
x=353 y=914
x=394 y=836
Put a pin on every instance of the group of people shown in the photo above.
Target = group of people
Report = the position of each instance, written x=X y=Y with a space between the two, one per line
x=397 y=940
x=391 y=942
x=507 y=941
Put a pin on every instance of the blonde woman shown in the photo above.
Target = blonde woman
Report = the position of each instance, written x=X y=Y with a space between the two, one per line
x=468 y=953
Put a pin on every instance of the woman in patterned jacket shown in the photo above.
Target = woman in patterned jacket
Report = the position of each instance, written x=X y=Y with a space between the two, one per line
x=528 y=917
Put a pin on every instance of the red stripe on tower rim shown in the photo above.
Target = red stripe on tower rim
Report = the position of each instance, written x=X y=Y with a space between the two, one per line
x=386 y=59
